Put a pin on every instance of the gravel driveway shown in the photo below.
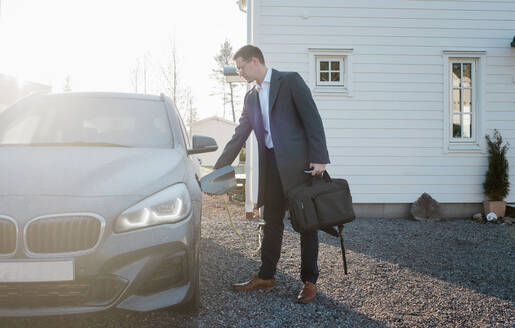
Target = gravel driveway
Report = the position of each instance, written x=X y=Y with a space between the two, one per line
x=402 y=273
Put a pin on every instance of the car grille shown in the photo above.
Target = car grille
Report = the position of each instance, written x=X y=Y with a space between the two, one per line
x=63 y=234
x=7 y=236
x=43 y=295
x=97 y=292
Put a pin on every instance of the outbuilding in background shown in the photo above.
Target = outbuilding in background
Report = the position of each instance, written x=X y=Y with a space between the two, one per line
x=218 y=128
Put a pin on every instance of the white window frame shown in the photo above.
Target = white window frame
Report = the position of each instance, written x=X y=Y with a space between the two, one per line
x=473 y=109
x=330 y=60
x=342 y=87
x=476 y=143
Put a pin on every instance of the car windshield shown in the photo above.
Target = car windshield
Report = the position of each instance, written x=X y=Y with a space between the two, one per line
x=64 y=120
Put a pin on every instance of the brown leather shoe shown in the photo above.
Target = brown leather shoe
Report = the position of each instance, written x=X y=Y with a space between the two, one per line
x=254 y=283
x=308 y=293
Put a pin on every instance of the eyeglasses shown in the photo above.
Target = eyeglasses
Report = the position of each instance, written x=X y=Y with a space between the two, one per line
x=239 y=69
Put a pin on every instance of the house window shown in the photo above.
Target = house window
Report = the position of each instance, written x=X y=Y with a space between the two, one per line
x=463 y=106
x=329 y=70
x=463 y=97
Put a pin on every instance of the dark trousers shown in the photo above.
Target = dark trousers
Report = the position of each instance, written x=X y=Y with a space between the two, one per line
x=274 y=210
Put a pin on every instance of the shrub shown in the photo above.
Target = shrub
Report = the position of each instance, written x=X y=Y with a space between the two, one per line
x=243 y=155
x=497 y=184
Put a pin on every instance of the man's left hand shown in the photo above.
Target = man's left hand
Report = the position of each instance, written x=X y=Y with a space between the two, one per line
x=317 y=168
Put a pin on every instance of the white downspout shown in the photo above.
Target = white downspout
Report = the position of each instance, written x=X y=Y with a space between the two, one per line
x=252 y=160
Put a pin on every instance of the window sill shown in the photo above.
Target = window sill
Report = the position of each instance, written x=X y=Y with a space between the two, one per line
x=464 y=147
x=320 y=90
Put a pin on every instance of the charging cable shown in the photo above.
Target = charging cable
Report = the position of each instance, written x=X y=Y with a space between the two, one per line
x=243 y=240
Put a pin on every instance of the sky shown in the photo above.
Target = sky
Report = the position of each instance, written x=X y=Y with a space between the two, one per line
x=98 y=43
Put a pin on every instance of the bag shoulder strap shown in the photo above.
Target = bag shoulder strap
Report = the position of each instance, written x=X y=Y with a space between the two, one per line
x=338 y=233
x=340 y=236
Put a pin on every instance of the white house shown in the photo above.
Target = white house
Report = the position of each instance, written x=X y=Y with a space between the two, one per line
x=217 y=128
x=407 y=90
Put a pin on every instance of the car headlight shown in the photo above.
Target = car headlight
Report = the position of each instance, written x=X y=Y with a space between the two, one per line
x=168 y=206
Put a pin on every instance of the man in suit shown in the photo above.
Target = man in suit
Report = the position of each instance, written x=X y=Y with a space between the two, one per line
x=283 y=115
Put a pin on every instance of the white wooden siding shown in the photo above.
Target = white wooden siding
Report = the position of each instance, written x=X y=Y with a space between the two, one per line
x=387 y=137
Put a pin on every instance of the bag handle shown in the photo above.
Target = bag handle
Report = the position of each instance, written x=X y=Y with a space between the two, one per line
x=324 y=176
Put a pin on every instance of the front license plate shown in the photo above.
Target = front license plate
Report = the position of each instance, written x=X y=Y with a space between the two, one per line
x=36 y=271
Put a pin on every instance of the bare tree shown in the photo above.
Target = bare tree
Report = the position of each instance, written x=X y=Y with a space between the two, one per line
x=191 y=111
x=141 y=74
x=145 y=72
x=170 y=72
x=67 y=83
x=228 y=90
x=135 y=75
x=173 y=87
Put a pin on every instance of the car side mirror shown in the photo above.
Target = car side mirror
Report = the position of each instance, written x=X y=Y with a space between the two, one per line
x=202 y=144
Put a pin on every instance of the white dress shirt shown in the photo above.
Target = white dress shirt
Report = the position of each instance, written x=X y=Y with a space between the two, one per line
x=264 y=96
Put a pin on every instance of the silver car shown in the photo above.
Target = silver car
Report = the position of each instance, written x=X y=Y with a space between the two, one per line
x=100 y=205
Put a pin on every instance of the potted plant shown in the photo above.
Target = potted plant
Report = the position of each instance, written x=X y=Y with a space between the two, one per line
x=243 y=155
x=497 y=183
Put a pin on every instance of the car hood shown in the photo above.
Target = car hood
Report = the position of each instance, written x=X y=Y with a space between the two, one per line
x=88 y=171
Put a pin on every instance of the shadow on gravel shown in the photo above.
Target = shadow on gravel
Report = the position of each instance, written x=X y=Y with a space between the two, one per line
x=223 y=307
x=461 y=252
x=109 y=318
x=220 y=305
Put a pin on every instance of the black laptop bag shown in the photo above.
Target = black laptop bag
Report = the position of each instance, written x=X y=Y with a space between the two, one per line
x=321 y=203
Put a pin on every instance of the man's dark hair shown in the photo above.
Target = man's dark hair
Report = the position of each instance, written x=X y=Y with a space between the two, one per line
x=249 y=51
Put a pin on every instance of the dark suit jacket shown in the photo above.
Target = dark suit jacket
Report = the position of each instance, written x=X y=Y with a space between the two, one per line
x=295 y=125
